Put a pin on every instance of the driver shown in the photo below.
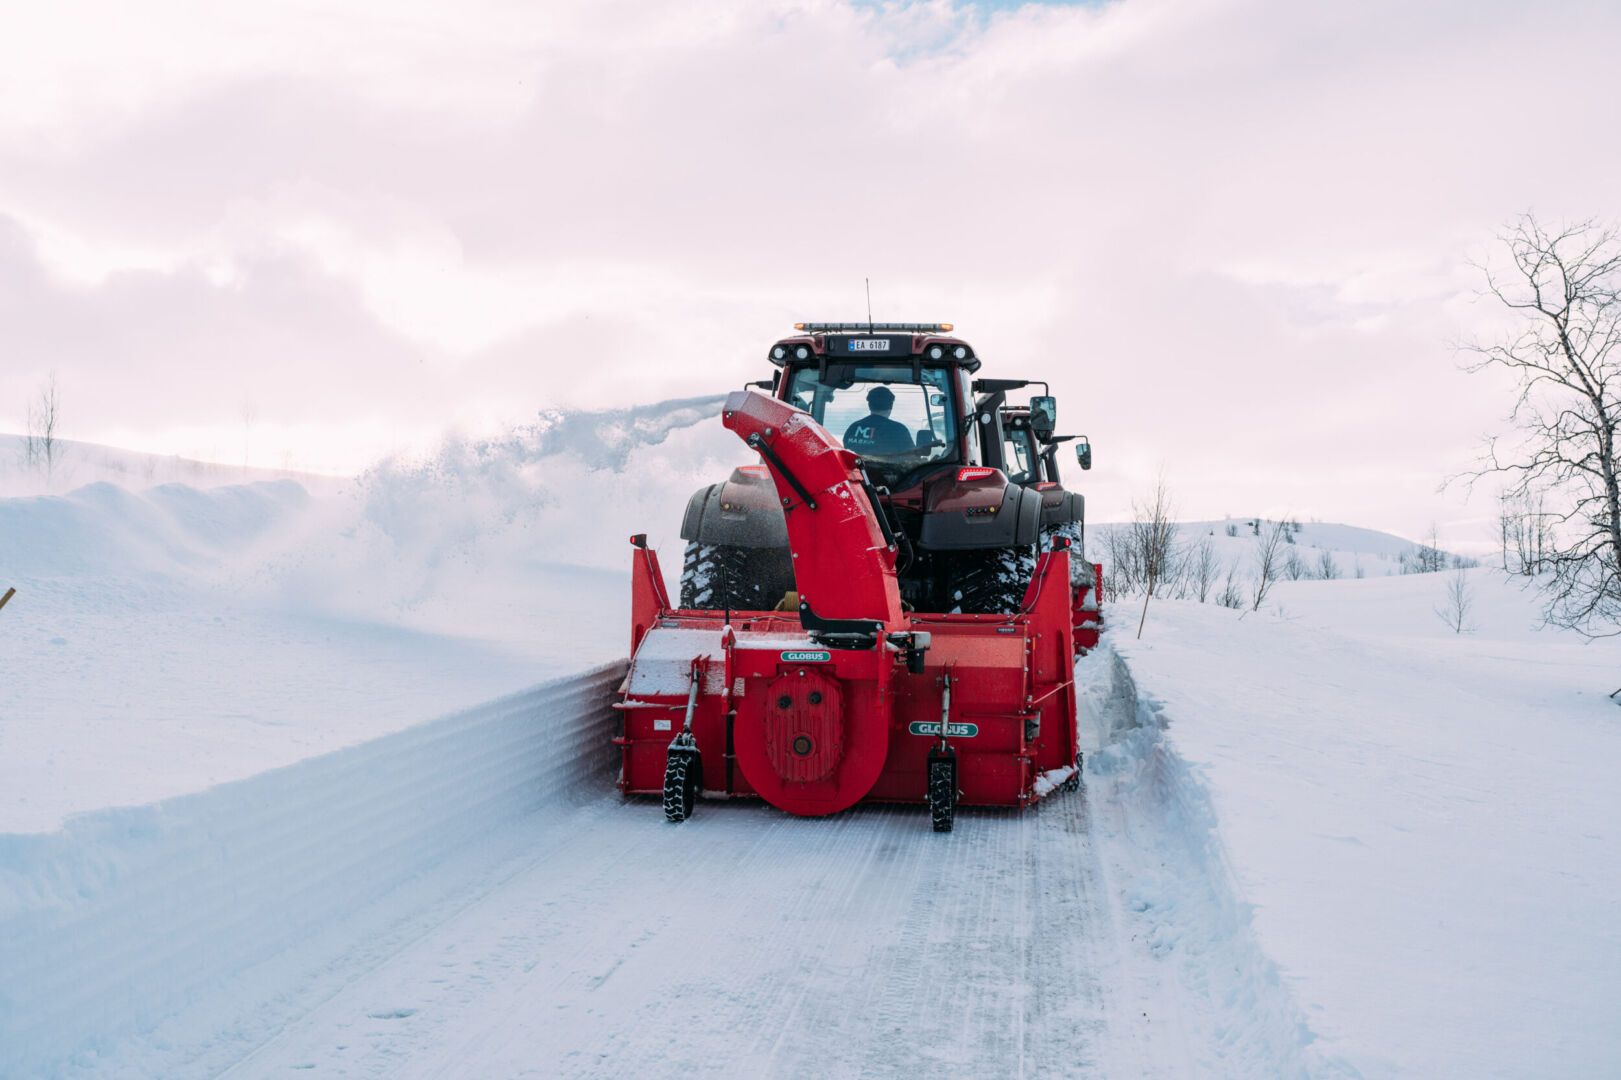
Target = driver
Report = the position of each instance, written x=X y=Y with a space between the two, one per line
x=877 y=434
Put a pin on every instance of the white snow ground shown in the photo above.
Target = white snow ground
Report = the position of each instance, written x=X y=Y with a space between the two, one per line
x=1426 y=824
x=469 y=898
x=155 y=647
x=167 y=638
x=1330 y=839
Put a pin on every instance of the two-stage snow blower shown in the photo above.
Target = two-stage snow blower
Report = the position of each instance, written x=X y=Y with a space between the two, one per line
x=885 y=616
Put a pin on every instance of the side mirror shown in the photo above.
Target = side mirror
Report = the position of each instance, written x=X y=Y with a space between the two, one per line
x=1043 y=415
x=1083 y=453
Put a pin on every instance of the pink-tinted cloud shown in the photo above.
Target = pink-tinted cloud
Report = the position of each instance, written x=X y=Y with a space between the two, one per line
x=1235 y=235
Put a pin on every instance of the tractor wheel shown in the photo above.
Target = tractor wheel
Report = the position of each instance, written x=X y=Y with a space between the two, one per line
x=942 y=793
x=717 y=577
x=683 y=776
x=1075 y=532
x=992 y=581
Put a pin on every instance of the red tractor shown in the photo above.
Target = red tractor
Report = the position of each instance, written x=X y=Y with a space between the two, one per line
x=1029 y=456
x=872 y=612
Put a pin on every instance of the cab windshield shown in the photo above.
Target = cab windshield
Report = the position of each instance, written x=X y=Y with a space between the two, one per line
x=897 y=423
x=1020 y=466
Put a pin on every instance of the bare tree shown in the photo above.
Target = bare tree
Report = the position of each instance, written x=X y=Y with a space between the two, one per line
x=1426 y=556
x=1232 y=593
x=1269 y=560
x=1524 y=532
x=1154 y=540
x=1327 y=568
x=1202 y=570
x=1294 y=567
x=42 y=446
x=1459 y=602
x=1564 y=284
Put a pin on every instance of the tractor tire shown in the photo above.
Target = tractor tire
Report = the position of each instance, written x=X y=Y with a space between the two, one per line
x=942 y=794
x=722 y=577
x=683 y=776
x=993 y=581
x=1075 y=533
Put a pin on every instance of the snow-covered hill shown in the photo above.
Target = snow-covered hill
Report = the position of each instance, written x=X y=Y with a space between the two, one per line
x=166 y=638
x=82 y=463
x=1344 y=551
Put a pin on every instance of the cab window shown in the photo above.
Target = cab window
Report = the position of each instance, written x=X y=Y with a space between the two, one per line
x=1020 y=467
x=897 y=423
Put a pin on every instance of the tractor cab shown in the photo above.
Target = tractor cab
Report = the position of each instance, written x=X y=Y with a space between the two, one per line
x=896 y=394
x=1025 y=447
x=901 y=398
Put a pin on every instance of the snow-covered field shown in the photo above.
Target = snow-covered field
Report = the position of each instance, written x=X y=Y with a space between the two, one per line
x=258 y=813
x=1427 y=824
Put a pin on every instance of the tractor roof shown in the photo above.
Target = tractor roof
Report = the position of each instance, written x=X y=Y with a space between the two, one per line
x=874 y=343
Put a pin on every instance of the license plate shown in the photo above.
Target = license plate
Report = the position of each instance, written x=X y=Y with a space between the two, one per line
x=869 y=344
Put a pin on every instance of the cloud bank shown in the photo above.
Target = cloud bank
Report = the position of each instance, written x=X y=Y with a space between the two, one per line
x=1234 y=234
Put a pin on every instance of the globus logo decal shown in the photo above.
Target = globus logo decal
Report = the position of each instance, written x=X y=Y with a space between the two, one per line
x=801 y=657
x=932 y=727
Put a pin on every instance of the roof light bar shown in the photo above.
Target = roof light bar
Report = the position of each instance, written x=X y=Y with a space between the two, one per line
x=874 y=327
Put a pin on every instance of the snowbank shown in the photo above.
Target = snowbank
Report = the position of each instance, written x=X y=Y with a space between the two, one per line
x=165 y=640
x=83 y=463
x=103 y=531
x=1424 y=822
x=1195 y=964
x=126 y=915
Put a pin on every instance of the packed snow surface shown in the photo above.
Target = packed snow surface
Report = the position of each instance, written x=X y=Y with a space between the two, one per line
x=469 y=897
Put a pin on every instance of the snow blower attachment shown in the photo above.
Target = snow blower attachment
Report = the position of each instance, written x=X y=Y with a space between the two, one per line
x=833 y=690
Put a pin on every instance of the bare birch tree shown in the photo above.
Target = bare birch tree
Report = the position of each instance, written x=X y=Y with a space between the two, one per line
x=1269 y=560
x=1564 y=285
x=1202 y=570
x=1459 y=603
x=42 y=446
x=1154 y=540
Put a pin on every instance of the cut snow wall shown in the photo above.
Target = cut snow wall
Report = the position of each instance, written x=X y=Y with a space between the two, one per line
x=1156 y=827
x=127 y=915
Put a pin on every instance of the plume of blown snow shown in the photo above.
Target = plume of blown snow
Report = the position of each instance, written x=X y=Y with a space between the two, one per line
x=488 y=536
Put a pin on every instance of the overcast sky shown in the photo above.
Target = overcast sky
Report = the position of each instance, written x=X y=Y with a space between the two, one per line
x=1236 y=235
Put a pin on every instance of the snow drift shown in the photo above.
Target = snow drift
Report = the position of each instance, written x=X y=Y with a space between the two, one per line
x=176 y=637
x=127 y=915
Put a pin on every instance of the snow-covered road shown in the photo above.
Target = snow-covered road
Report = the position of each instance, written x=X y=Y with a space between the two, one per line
x=492 y=929
x=745 y=943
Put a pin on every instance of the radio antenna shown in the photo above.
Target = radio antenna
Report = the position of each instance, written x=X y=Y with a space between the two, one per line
x=869 y=303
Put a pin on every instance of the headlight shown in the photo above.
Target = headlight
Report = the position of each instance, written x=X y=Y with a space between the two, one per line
x=936 y=353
